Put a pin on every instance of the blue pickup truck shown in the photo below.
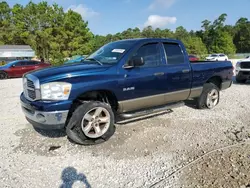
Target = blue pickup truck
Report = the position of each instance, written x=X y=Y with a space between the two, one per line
x=123 y=79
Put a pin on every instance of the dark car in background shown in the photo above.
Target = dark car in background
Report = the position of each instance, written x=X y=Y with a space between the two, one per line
x=193 y=58
x=17 y=68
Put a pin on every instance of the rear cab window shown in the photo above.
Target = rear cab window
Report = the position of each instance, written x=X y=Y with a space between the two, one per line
x=174 y=54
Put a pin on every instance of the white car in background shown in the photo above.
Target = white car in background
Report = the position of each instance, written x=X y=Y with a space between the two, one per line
x=217 y=57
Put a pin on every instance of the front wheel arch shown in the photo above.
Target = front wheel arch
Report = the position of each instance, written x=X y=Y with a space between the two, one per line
x=105 y=96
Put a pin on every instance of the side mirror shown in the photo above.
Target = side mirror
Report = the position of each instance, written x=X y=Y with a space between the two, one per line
x=135 y=62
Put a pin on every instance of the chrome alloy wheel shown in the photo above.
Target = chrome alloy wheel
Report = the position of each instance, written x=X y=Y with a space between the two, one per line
x=95 y=122
x=212 y=98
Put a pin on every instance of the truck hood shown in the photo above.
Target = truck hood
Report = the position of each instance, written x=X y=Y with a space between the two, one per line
x=66 y=71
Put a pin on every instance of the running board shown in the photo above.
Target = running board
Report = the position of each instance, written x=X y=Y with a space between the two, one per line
x=150 y=111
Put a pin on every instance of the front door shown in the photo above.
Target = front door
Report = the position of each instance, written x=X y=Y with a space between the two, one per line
x=143 y=86
x=16 y=69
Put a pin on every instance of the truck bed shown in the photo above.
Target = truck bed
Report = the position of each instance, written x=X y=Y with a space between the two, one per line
x=203 y=70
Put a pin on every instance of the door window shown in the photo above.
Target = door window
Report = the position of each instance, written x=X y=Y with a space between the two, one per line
x=20 y=63
x=150 y=54
x=174 y=53
x=32 y=62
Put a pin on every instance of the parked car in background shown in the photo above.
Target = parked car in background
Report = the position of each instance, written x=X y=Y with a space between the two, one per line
x=243 y=70
x=193 y=58
x=217 y=57
x=123 y=79
x=17 y=68
x=76 y=60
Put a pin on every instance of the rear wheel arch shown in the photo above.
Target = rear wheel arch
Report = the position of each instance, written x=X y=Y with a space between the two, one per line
x=216 y=80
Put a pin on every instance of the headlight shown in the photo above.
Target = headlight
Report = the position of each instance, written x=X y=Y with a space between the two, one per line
x=55 y=91
x=237 y=64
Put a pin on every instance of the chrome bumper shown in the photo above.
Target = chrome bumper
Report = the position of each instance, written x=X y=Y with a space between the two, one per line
x=45 y=120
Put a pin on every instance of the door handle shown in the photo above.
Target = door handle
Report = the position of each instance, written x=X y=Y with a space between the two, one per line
x=185 y=70
x=159 y=74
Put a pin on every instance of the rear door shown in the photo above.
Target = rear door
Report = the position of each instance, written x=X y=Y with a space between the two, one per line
x=28 y=66
x=178 y=75
x=143 y=86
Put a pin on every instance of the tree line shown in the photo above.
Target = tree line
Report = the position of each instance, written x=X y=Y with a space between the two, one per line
x=55 y=34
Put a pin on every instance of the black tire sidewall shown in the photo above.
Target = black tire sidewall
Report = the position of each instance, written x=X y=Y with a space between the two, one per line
x=76 y=119
x=240 y=80
x=4 y=75
x=202 y=101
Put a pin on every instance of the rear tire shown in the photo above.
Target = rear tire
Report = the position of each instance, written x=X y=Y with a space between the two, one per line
x=210 y=96
x=91 y=123
x=3 y=75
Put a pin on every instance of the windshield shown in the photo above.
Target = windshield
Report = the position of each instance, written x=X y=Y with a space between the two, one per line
x=111 y=52
x=213 y=55
x=11 y=63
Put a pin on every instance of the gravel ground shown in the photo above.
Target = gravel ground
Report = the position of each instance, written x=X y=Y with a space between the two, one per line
x=184 y=148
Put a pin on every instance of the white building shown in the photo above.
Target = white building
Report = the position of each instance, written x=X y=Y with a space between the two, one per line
x=12 y=52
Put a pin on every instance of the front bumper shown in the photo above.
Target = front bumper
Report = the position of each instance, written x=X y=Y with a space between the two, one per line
x=44 y=119
x=242 y=73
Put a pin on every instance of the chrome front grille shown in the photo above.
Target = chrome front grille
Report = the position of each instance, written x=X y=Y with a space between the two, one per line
x=30 y=84
x=31 y=87
x=245 y=65
x=31 y=94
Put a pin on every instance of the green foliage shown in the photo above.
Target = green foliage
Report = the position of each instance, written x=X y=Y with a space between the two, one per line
x=242 y=35
x=223 y=43
x=51 y=32
x=217 y=37
x=194 y=45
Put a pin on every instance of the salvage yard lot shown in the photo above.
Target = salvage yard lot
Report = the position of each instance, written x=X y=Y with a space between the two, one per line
x=187 y=147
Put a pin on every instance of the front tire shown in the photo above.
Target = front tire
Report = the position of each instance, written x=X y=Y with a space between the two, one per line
x=91 y=123
x=210 y=96
x=3 y=75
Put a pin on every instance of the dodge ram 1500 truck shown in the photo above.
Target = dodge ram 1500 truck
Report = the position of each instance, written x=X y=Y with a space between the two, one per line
x=123 y=79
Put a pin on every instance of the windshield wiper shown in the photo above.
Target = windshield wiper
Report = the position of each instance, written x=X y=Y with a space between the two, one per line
x=95 y=60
